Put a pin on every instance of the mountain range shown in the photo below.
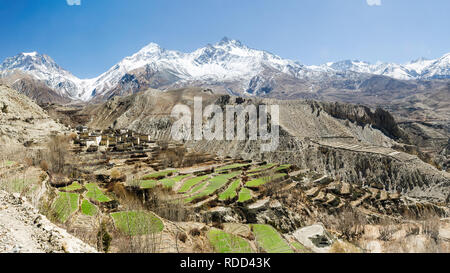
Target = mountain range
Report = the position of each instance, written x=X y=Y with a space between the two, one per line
x=227 y=66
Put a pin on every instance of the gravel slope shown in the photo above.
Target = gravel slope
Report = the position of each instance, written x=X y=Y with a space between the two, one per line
x=24 y=230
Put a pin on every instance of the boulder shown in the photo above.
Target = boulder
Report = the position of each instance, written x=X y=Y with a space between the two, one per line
x=324 y=180
x=345 y=189
x=312 y=192
x=259 y=205
x=314 y=237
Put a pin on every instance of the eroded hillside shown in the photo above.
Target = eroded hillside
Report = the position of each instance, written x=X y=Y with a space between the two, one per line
x=338 y=182
x=354 y=143
x=22 y=122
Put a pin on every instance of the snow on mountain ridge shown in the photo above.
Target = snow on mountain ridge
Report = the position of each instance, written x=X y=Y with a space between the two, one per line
x=45 y=69
x=226 y=61
x=418 y=69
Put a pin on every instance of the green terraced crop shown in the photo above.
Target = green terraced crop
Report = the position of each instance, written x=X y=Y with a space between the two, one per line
x=233 y=166
x=270 y=240
x=264 y=180
x=137 y=222
x=65 y=205
x=196 y=189
x=75 y=186
x=188 y=184
x=148 y=184
x=300 y=248
x=228 y=243
x=261 y=168
x=171 y=181
x=230 y=192
x=158 y=175
x=87 y=208
x=214 y=184
x=166 y=182
x=94 y=193
x=283 y=167
x=199 y=187
x=245 y=195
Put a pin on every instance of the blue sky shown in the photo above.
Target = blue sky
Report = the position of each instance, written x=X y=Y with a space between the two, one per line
x=89 y=38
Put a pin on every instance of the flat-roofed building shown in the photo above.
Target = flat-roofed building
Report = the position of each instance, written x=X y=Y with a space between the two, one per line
x=144 y=138
x=95 y=139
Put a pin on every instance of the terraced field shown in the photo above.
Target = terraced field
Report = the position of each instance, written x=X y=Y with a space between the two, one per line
x=158 y=175
x=190 y=183
x=231 y=191
x=65 y=205
x=266 y=238
x=300 y=248
x=89 y=209
x=170 y=182
x=284 y=167
x=264 y=180
x=233 y=167
x=223 y=242
x=148 y=184
x=270 y=240
x=75 y=186
x=229 y=179
x=261 y=168
x=213 y=185
x=244 y=195
x=228 y=185
x=95 y=194
x=137 y=222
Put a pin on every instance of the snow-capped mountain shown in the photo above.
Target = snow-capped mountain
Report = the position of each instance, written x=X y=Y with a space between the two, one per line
x=439 y=69
x=229 y=64
x=44 y=68
x=226 y=61
x=418 y=69
x=419 y=65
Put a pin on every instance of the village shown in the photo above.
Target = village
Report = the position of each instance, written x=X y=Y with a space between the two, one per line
x=137 y=148
x=111 y=140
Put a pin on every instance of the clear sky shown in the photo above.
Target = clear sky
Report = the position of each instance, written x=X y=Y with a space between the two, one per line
x=89 y=38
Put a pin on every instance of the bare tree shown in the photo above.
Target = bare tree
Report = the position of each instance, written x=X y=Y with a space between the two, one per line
x=58 y=151
x=350 y=223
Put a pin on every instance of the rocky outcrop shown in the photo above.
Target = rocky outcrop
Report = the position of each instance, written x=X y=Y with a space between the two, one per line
x=22 y=121
x=363 y=116
x=24 y=230
x=36 y=90
x=314 y=237
x=313 y=139
x=361 y=168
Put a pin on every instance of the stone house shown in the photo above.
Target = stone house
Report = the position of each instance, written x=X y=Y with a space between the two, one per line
x=96 y=139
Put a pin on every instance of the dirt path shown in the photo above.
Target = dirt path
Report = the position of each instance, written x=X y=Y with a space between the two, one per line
x=16 y=236
x=24 y=230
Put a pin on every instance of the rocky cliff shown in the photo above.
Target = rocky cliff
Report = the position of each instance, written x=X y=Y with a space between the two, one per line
x=351 y=142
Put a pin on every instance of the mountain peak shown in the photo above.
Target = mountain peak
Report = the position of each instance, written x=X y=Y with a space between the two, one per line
x=28 y=61
x=30 y=54
x=152 y=47
x=229 y=42
x=421 y=59
x=227 y=61
x=446 y=56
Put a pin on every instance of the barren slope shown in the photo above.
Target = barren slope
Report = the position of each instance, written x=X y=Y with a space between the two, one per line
x=24 y=230
x=22 y=121
x=351 y=142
